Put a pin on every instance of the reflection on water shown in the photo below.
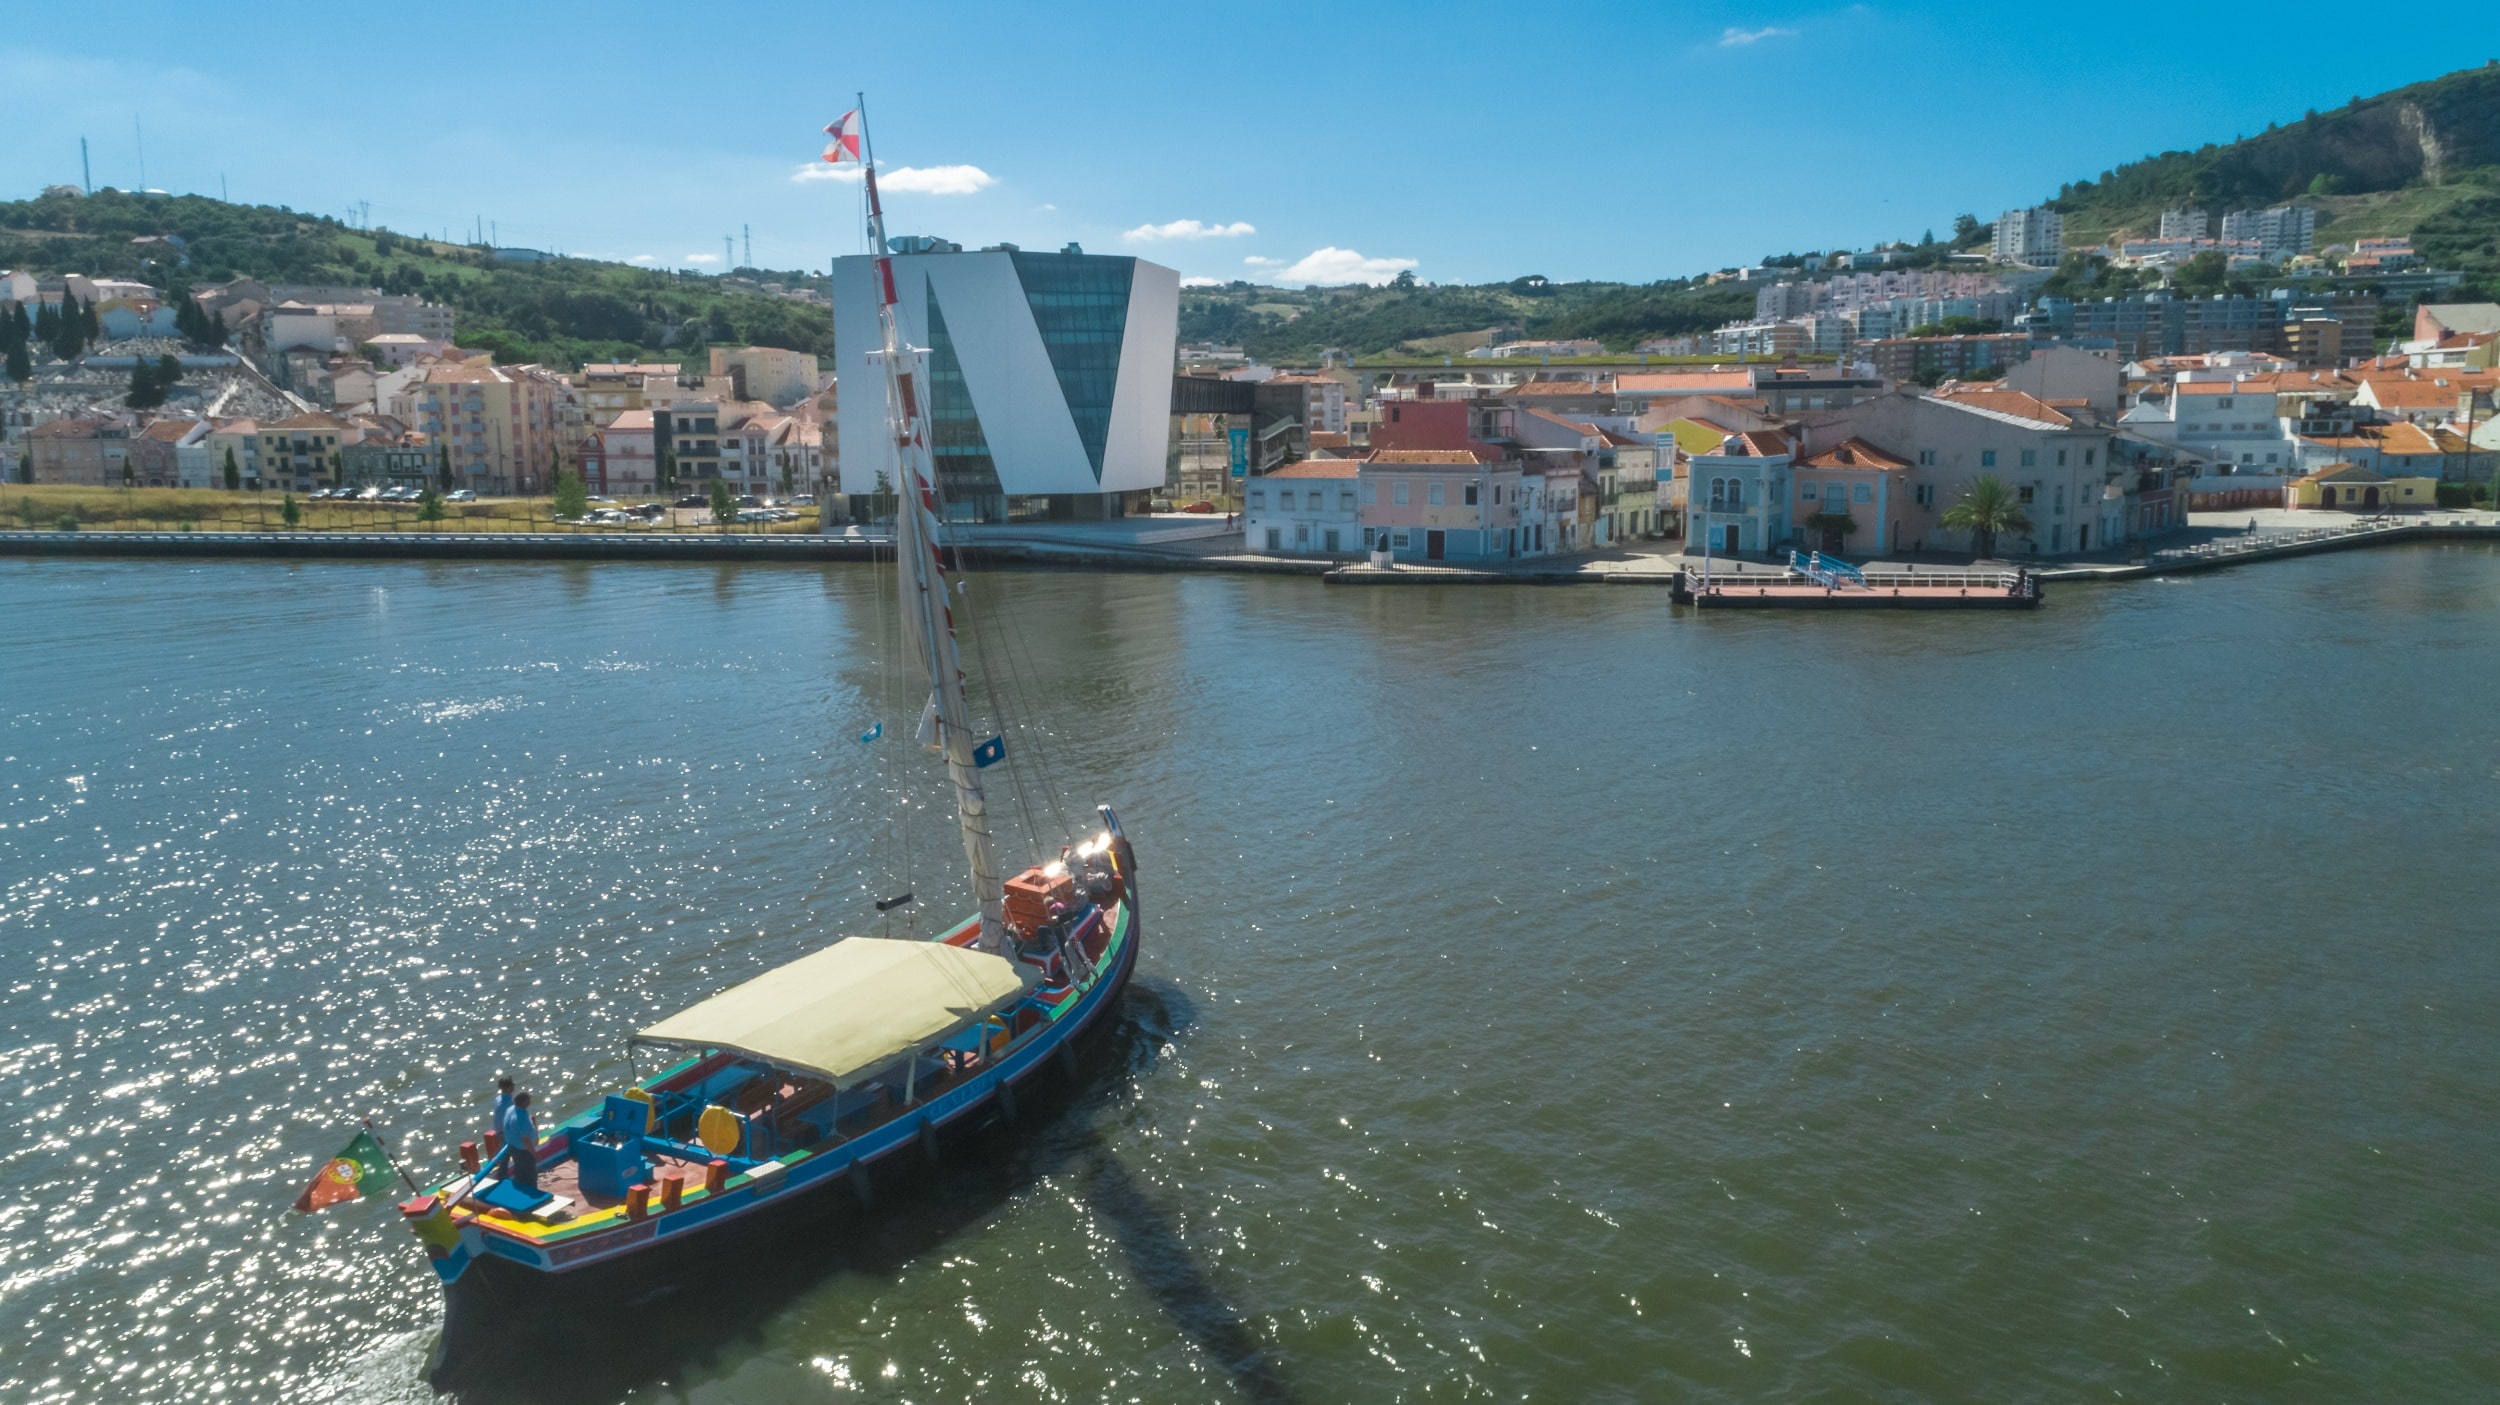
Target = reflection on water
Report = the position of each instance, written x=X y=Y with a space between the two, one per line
x=1546 y=993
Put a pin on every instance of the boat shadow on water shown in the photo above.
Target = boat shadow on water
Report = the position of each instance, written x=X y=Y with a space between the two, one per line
x=665 y=1333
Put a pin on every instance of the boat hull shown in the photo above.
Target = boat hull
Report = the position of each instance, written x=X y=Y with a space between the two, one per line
x=792 y=1231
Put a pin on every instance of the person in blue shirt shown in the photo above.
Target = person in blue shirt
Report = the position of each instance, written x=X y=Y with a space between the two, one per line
x=520 y=1139
x=503 y=1104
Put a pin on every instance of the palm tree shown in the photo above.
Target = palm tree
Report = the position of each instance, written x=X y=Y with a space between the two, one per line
x=1987 y=507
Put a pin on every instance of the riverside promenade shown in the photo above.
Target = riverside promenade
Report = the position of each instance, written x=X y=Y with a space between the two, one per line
x=2210 y=542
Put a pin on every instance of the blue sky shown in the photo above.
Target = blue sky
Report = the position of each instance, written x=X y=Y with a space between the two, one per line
x=1284 y=142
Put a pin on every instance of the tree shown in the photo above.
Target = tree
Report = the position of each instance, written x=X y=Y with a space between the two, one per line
x=572 y=498
x=26 y=467
x=20 y=369
x=288 y=512
x=724 y=507
x=443 y=455
x=1986 y=509
x=69 y=333
x=233 y=472
x=429 y=507
x=666 y=471
x=2203 y=275
x=146 y=393
x=785 y=473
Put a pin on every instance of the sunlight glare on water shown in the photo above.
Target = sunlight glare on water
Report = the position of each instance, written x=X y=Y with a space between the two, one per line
x=1546 y=993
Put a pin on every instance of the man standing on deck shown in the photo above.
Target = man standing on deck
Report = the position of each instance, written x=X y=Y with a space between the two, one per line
x=503 y=1104
x=520 y=1140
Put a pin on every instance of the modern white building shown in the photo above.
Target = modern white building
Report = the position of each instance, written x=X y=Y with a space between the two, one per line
x=1049 y=376
x=2035 y=236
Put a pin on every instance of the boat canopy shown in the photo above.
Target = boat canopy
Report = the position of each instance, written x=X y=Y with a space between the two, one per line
x=851 y=1009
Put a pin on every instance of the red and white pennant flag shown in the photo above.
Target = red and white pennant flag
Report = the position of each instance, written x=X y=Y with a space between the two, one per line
x=845 y=133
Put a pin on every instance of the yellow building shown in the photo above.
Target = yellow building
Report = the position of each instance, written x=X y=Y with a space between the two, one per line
x=779 y=378
x=2345 y=487
x=498 y=425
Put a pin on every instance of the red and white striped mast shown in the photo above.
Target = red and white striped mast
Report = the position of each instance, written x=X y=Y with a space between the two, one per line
x=928 y=611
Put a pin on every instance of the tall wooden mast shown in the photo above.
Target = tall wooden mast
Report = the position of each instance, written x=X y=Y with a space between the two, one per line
x=928 y=608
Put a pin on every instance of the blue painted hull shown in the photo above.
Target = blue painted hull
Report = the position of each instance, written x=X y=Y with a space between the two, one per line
x=491 y=1280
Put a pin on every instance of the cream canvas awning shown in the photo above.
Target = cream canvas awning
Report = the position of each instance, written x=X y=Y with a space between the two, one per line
x=850 y=1009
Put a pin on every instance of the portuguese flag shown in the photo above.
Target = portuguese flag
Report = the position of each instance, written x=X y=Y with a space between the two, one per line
x=360 y=1170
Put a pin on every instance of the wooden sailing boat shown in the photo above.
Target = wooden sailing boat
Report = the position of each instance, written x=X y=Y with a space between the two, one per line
x=781 y=1097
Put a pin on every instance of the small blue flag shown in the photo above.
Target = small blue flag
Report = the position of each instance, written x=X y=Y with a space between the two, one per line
x=990 y=752
x=872 y=734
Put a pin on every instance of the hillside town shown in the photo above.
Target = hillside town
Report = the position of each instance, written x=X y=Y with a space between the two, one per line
x=1851 y=415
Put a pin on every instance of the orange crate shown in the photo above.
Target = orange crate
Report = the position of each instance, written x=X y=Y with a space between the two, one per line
x=1030 y=894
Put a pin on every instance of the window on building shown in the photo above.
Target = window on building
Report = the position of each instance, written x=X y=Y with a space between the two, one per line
x=1987 y=458
x=1371 y=492
x=2024 y=493
x=1925 y=494
x=2061 y=458
x=1432 y=495
x=1284 y=500
x=1810 y=491
x=1345 y=500
x=1927 y=457
x=1397 y=494
x=2061 y=500
x=1471 y=495
x=1400 y=539
x=1275 y=538
x=1371 y=536
x=1330 y=541
x=1258 y=497
x=2031 y=458
x=2223 y=403
x=1864 y=492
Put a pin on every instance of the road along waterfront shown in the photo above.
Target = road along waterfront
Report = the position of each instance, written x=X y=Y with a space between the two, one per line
x=1554 y=993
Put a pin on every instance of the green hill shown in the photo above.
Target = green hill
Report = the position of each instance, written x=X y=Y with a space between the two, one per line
x=1281 y=324
x=562 y=312
x=2422 y=160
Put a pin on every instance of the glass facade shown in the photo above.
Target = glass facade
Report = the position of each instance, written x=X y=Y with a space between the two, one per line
x=967 y=476
x=1080 y=303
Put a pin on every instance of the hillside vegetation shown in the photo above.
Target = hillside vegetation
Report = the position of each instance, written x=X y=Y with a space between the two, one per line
x=2425 y=155
x=1416 y=319
x=563 y=312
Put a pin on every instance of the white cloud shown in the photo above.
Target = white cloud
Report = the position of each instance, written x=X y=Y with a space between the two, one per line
x=1733 y=38
x=703 y=258
x=906 y=180
x=1198 y=280
x=1329 y=267
x=1188 y=229
x=643 y=258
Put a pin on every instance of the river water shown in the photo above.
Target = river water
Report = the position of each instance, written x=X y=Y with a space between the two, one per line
x=1548 y=994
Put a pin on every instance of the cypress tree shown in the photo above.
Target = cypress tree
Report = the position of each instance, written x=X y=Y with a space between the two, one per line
x=20 y=369
x=234 y=472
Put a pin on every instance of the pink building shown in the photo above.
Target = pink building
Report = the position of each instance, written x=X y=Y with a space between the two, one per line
x=624 y=457
x=1851 y=498
x=1440 y=504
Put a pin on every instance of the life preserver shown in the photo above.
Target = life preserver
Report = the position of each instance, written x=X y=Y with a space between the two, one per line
x=720 y=1130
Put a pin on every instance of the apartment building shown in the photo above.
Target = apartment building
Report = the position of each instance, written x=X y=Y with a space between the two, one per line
x=84 y=450
x=2036 y=236
x=499 y=425
x=779 y=378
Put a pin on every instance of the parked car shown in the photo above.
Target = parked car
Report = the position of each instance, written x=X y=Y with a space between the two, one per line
x=751 y=500
x=463 y=495
x=804 y=500
x=649 y=512
x=1210 y=507
x=693 y=500
x=369 y=492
